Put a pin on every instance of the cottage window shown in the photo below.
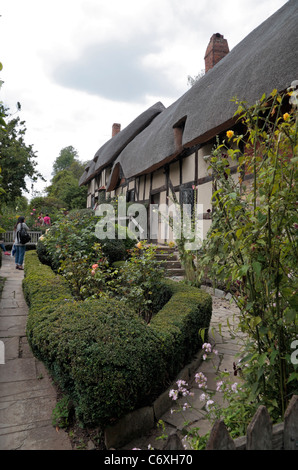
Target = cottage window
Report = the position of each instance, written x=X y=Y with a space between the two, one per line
x=130 y=196
x=187 y=198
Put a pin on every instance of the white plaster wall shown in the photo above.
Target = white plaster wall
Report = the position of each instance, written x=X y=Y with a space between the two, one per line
x=158 y=179
x=175 y=173
x=188 y=169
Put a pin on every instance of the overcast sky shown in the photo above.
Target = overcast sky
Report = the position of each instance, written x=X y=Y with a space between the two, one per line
x=78 y=66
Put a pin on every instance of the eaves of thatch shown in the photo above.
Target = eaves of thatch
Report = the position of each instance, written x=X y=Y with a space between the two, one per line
x=107 y=154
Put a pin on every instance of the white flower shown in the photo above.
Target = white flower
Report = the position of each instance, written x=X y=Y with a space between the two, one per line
x=173 y=394
x=185 y=406
x=208 y=404
x=294 y=93
x=181 y=383
x=207 y=347
x=219 y=385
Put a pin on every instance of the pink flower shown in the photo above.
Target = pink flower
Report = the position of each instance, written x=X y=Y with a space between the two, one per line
x=201 y=380
x=173 y=394
x=207 y=347
x=94 y=266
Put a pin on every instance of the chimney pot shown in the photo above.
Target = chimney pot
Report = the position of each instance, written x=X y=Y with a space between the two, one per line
x=216 y=50
x=115 y=129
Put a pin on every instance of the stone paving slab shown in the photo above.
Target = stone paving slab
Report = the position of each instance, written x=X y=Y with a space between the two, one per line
x=20 y=311
x=12 y=325
x=12 y=391
x=18 y=369
x=11 y=348
x=25 y=411
x=44 y=437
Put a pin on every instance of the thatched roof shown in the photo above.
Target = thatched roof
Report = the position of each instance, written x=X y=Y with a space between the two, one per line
x=113 y=147
x=266 y=59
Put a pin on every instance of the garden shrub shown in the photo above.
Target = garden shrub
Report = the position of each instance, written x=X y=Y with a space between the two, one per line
x=104 y=356
x=179 y=322
x=72 y=234
x=114 y=250
x=42 y=252
x=140 y=282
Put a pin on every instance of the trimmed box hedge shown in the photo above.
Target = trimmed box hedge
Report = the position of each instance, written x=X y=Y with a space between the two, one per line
x=107 y=359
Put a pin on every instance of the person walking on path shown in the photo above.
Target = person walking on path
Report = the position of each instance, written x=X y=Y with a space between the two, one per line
x=20 y=248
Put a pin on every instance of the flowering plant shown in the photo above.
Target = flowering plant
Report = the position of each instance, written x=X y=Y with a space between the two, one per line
x=252 y=244
x=234 y=407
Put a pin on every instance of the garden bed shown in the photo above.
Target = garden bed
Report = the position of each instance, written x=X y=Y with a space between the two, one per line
x=107 y=359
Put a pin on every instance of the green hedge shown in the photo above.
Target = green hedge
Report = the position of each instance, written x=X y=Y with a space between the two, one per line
x=107 y=359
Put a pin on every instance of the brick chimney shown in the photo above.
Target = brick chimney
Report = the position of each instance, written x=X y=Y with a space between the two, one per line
x=115 y=129
x=216 y=50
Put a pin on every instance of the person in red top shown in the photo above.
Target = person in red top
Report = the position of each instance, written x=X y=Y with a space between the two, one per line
x=47 y=220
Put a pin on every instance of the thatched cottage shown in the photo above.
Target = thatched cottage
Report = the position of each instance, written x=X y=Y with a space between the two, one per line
x=166 y=148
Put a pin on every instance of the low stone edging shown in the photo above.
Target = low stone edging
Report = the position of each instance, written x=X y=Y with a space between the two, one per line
x=140 y=421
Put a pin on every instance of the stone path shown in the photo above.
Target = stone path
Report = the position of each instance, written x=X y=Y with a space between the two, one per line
x=27 y=396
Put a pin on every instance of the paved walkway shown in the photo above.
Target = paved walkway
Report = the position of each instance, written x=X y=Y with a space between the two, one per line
x=223 y=339
x=27 y=396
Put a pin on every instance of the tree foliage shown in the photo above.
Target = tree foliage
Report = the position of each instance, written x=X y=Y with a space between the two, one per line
x=67 y=156
x=67 y=170
x=2 y=127
x=17 y=159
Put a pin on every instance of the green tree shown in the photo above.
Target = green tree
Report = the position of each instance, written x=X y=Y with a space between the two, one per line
x=17 y=159
x=67 y=156
x=67 y=170
x=2 y=127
